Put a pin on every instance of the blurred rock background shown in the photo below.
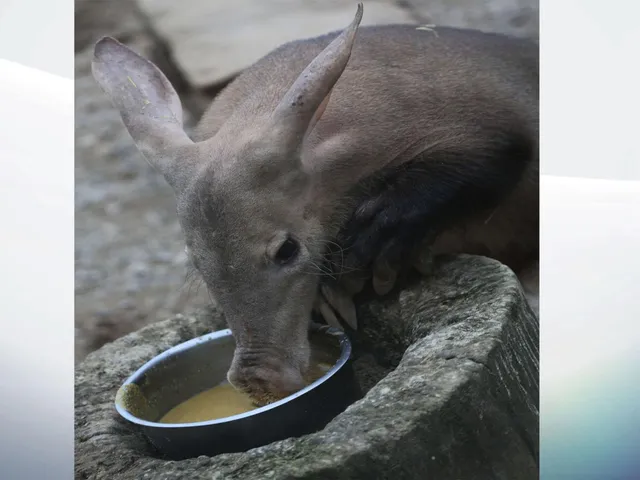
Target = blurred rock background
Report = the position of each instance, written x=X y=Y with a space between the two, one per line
x=130 y=263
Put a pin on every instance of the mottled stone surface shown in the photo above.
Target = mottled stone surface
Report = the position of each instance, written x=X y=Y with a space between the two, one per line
x=513 y=17
x=211 y=41
x=462 y=402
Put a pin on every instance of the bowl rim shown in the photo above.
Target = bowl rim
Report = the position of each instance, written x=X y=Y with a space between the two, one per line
x=345 y=354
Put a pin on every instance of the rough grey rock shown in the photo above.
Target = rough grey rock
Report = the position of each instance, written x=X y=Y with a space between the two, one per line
x=212 y=41
x=513 y=17
x=129 y=254
x=462 y=403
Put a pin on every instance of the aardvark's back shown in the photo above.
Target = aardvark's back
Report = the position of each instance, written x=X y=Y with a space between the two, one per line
x=402 y=86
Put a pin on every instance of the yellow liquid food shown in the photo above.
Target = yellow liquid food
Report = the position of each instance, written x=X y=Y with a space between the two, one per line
x=317 y=371
x=223 y=401
x=217 y=402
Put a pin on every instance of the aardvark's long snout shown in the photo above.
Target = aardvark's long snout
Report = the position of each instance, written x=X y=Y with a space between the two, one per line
x=268 y=374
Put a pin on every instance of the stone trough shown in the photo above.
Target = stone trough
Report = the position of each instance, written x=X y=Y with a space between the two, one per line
x=450 y=366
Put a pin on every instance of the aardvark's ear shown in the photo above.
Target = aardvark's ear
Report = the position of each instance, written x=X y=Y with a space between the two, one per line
x=305 y=101
x=148 y=104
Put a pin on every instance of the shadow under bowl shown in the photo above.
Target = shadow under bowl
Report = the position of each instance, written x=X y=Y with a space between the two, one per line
x=189 y=368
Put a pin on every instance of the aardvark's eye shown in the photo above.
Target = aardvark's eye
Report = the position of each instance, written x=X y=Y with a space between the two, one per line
x=287 y=252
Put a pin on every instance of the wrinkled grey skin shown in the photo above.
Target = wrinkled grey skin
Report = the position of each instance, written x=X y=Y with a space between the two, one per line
x=274 y=158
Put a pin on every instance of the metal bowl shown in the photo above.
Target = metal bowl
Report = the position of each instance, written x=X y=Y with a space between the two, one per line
x=202 y=363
